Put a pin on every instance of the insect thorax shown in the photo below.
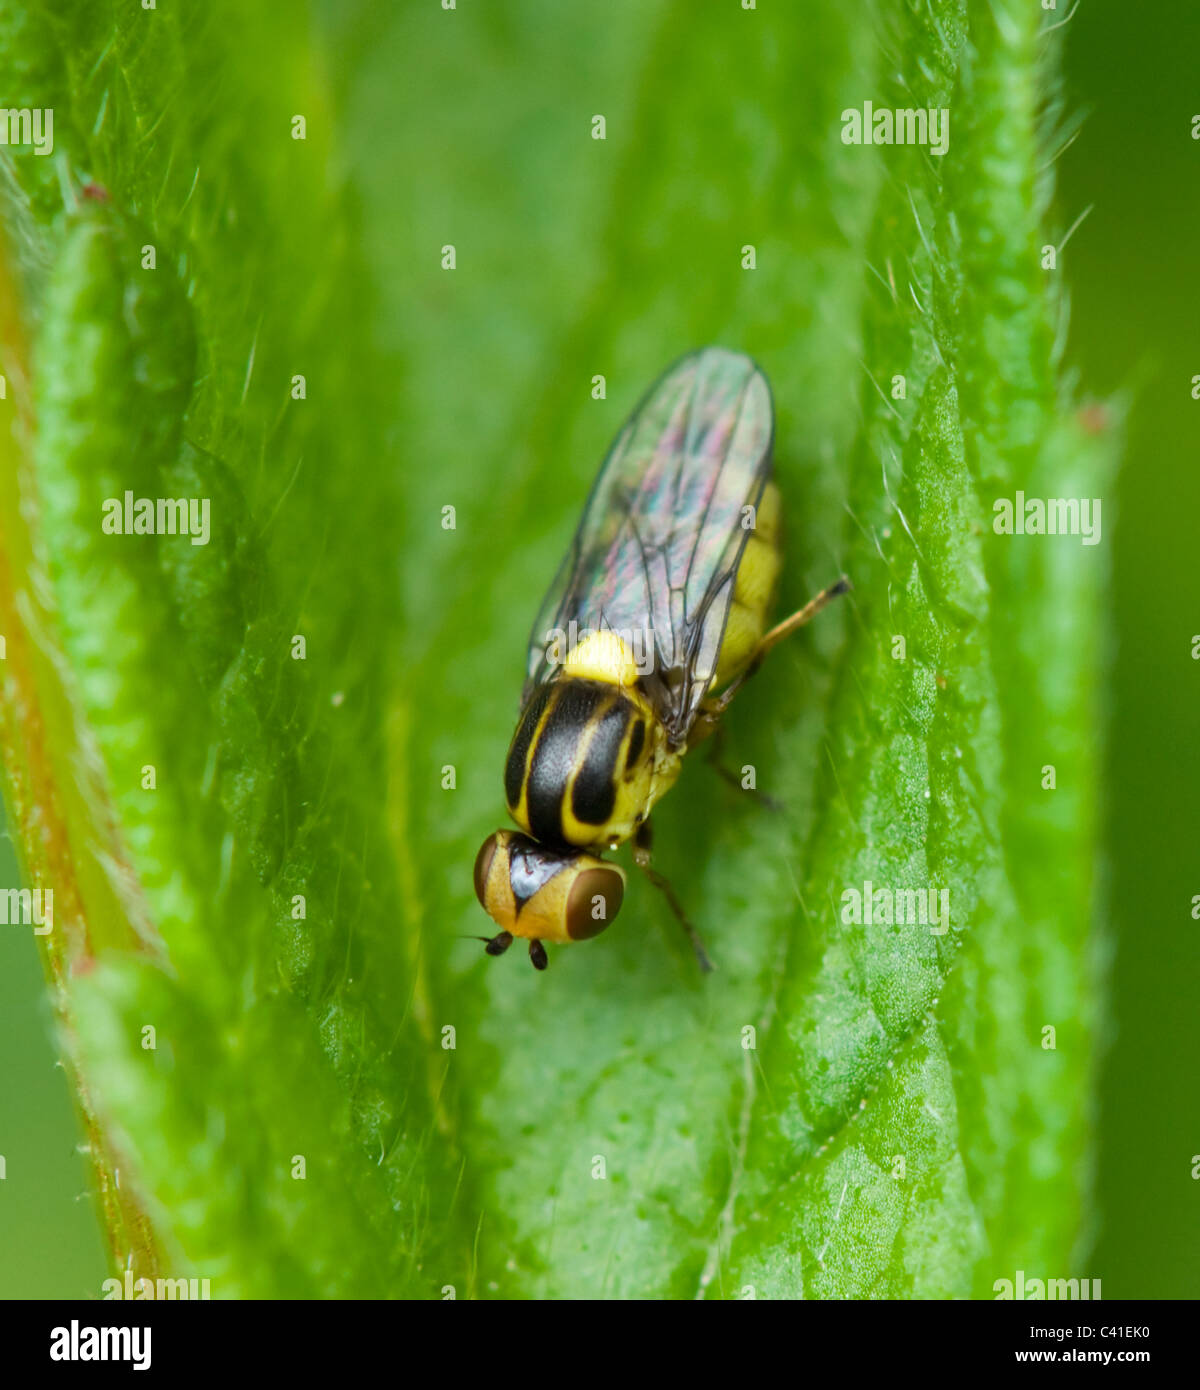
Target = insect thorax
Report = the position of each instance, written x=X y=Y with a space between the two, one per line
x=588 y=761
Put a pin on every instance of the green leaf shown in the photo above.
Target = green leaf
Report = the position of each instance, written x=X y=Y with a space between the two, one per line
x=250 y=1065
x=845 y=1108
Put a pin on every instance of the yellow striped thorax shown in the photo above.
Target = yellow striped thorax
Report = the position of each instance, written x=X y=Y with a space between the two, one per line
x=589 y=758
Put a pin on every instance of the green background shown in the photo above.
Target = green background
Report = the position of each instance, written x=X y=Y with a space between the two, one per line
x=1132 y=325
x=1134 y=317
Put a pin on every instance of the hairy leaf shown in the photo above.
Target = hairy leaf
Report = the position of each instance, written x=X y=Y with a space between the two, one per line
x=338 y=1095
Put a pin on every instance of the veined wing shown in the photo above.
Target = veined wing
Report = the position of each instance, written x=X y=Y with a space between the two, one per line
x=657 y=551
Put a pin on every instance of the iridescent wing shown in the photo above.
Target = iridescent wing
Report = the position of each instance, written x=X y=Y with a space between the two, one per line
x=663 y=531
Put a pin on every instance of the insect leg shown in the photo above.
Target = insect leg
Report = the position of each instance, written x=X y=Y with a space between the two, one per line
x=537 y=954
x=641 y=857
x=715 y=748
x=798 y=619
x=712 y=709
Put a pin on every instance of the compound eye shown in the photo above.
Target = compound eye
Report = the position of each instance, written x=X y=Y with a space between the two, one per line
x=483 y=868
x=594 y=900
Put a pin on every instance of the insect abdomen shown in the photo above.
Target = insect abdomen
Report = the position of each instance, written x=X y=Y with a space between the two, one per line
x=753 y=591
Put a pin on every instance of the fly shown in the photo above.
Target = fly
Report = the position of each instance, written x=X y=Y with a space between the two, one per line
x=657 y=618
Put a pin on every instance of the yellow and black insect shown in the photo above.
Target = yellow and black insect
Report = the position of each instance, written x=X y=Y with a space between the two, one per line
x=656 y=619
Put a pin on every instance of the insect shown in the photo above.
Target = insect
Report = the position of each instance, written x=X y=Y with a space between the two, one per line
x=656 y=619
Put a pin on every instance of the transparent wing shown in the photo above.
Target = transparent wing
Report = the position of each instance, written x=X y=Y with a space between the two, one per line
x=657 y=550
